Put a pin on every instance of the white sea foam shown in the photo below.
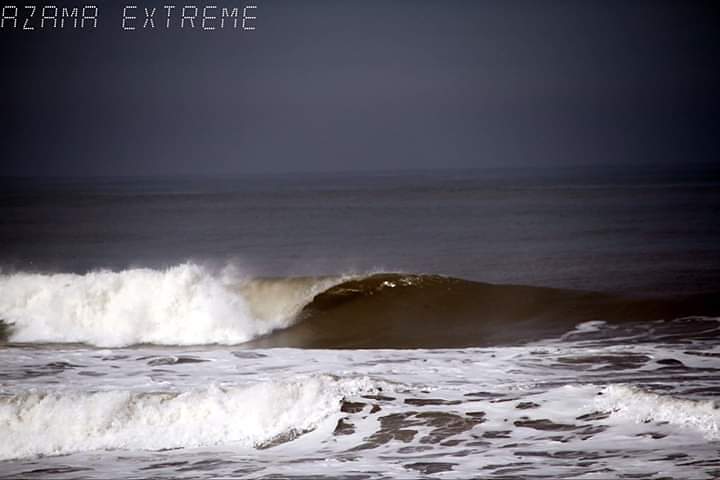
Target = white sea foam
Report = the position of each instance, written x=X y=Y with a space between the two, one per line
x=538 y=411
x=182 y=305
x=50 y=423
x=641 y=406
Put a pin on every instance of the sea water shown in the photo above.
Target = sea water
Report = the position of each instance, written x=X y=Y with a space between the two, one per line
x=126 y=305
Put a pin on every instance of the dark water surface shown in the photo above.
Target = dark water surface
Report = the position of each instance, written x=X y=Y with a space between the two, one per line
x=645 y=231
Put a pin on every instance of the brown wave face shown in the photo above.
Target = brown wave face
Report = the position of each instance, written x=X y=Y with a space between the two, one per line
x=429 y=311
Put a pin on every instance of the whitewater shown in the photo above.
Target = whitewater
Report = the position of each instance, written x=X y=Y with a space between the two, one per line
x=576 y=408
x=186 y=304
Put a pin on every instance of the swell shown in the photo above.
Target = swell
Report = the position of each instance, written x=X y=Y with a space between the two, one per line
x=187 y=305
x=431 y=311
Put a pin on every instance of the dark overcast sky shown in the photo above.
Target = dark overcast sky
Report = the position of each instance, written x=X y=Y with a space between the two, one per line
x=357 y=85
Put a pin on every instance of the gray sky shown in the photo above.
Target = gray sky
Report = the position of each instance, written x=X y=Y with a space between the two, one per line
x=351 y=85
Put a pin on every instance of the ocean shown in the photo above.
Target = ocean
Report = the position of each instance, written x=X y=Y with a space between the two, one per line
x=506 y=323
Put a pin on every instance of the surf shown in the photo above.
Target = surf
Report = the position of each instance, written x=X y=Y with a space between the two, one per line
x=191 y=305
x=62 y=422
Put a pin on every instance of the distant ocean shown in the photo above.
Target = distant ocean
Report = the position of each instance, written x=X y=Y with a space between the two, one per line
x=500 y=323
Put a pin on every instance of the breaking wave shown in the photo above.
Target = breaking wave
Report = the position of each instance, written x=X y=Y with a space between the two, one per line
x=188 y=304
x=183 y=305
x=53 y=423
x=643 y=407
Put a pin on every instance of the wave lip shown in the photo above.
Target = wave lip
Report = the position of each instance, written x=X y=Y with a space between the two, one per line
x=53 y=423
x=391 y=310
